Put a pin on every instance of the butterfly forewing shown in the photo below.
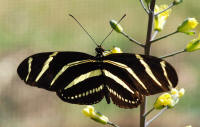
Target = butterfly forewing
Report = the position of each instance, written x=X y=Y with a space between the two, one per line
x=46 y=70
x=150 y=75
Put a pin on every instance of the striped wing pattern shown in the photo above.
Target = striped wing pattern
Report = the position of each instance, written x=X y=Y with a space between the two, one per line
x=80 y=78
x=150 y=75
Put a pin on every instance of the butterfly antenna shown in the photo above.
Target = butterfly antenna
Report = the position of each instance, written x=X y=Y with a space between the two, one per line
x=112 y=29
x=84 y=29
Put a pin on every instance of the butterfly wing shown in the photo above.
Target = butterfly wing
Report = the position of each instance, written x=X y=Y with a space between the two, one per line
x=48 y=70
x=85 y=92
x=119 y=85
x=149 y=75
x=74 y=76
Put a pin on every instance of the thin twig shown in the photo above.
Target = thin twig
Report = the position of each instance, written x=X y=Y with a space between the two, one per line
x=154 y=35
x=112 y=124
x=147 y=113
x=156 y=116
x=112 y=29
x=142 y=3
x=132 y=40
x=173 y=54
x=170 y=6
x=165 y=36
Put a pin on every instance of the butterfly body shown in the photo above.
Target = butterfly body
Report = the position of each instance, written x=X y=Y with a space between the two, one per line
x=80 y=78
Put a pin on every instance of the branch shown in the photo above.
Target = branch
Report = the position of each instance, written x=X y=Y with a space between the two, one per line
x=146 y=114
x=142 y=3
x=132 y=40
x=173 y=54
x=170 y=6
x=147 y=52
x=154 y=35
x=156 y=116
x=150 y=27
x=112 y=124
x=165 y=36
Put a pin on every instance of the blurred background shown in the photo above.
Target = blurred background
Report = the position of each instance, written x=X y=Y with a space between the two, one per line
x=32 y=26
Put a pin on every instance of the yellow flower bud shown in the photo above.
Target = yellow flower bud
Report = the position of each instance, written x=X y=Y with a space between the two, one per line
x=117 y=27
x=174 y=101
x=188 y=25
x=193 y=45
x=116 y=50
x=181 y=92
x=163 y=101
x=169 y=99
x=174 y=91
x=90 y=112
x=188 y=126
x=160 y=19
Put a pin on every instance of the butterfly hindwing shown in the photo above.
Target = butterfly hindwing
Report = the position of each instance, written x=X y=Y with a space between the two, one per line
x=89 y=91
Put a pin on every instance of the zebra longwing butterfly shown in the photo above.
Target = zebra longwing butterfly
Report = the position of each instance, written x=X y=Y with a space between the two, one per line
x=80 y=78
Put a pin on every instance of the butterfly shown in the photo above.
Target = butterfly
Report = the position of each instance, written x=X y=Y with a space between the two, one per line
x=80 y=78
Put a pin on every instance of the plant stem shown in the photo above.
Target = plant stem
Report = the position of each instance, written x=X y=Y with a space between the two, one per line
x=142 y=112
x=112 y=124
x=146 y=114
x=147 y=52
x=154 y=35
x=142 y=3
x=165 y=36
x=156 y=116
x=150 y=27
x=173 y=54
x=170 y=6
x=132 y=40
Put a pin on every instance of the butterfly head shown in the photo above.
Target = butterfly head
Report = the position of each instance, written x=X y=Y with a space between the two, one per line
x=99 y=51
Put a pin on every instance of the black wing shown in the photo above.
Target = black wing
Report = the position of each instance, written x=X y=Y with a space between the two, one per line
x=53 y=70
x=149 y=75
x=83 y=79
x=120 y=87
x=76 y=77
